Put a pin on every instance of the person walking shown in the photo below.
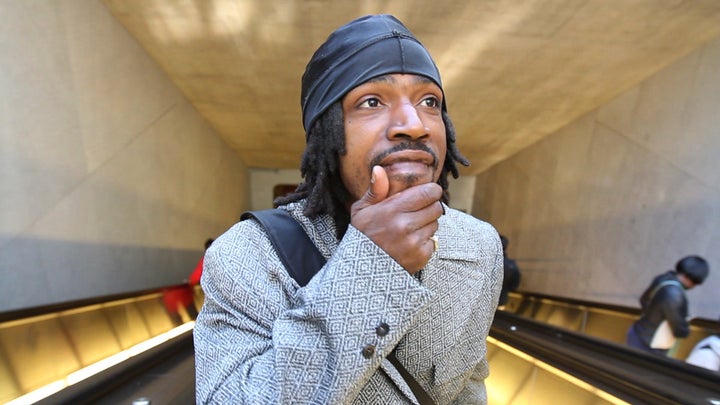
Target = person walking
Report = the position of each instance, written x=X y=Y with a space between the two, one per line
x=664 y=305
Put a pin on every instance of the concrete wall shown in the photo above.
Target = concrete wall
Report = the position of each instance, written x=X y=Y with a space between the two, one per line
x=263 y=182
x=599 y=208
x=110 y=180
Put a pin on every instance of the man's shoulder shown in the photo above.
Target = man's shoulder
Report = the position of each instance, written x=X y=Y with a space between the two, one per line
x=467 y=235
x=320 y=229
x=295 y=209
x=240 y=237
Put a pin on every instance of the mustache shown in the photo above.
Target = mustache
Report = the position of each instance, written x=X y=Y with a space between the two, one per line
x=405 y=145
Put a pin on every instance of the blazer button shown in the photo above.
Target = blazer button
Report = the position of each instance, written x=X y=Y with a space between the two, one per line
x=368 y=351
x=383 y=329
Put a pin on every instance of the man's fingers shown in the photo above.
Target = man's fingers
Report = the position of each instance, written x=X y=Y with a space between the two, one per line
x=379 y=184
x=378 y=190
x=419 y=197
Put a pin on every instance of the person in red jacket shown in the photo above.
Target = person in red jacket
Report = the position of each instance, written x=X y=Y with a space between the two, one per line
x=177 y=297
x=195 y=276
x=182 y=296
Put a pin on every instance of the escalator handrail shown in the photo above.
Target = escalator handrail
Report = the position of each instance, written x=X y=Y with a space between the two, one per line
x=632 y=311
x=23 y=313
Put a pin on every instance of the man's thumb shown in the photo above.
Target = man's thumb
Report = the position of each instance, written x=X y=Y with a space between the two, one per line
x=379 y=187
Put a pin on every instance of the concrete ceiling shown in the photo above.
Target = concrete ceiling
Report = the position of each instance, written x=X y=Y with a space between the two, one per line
x=514 y=71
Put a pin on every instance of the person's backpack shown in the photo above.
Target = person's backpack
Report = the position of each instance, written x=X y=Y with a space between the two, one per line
x=302 y=260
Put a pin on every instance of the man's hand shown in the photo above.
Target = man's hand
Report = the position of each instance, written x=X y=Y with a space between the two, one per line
x=402 y=223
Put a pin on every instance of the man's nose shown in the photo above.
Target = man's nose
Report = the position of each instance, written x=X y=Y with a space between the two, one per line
x=406 y=123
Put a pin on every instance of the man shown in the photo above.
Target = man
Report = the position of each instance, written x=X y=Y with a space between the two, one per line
x=511 y=274
x=664 y=307
x=404 y=274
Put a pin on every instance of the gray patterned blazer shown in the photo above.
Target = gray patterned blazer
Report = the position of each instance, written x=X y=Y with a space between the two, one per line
x=260 y=339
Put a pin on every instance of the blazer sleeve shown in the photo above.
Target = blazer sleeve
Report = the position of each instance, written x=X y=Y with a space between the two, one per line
x=261 y=339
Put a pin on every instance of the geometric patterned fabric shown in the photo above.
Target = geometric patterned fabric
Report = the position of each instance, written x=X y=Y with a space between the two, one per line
x=260 y=339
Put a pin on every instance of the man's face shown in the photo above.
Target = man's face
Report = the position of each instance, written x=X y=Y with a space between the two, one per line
x=394 y=121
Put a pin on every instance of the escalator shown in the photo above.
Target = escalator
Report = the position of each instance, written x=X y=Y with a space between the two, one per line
x=614 y=371
x=532 y=361
x=162 y=375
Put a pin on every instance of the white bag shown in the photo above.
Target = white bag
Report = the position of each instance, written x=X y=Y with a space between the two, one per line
x=663 y=337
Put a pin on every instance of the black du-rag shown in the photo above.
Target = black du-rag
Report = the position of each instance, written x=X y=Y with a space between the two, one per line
x=361 y=50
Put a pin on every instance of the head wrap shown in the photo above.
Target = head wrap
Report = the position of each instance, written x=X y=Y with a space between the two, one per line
x=362 y=49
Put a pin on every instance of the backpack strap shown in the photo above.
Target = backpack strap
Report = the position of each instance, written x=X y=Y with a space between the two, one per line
x=292 y=244
x=660 y=286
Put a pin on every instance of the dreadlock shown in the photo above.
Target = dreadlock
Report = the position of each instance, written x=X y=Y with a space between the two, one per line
x=323 y=187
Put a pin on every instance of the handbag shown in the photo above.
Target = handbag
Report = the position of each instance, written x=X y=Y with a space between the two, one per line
x=663 y=337
x=302 y=260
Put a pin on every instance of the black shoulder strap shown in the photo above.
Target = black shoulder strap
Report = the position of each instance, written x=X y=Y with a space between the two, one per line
x=297 y=252
x=302 y=260
x=662 y=285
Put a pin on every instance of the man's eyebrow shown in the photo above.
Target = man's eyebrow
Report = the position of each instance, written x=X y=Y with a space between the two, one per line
x=384 y=78
x=388 y=78
x=423 y=79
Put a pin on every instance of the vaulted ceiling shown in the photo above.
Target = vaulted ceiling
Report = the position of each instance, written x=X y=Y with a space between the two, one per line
x=513 y=71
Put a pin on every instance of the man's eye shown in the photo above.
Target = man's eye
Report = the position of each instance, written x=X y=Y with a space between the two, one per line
x=371 y=102
x=431 y=102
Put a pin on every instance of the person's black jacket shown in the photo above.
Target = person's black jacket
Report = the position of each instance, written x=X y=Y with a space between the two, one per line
x=511 y=279
x=668 y=303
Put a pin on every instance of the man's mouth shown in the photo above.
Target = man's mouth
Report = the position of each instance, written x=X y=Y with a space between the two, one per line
x=407 y=168
x=408 y=158
x=406 y=153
